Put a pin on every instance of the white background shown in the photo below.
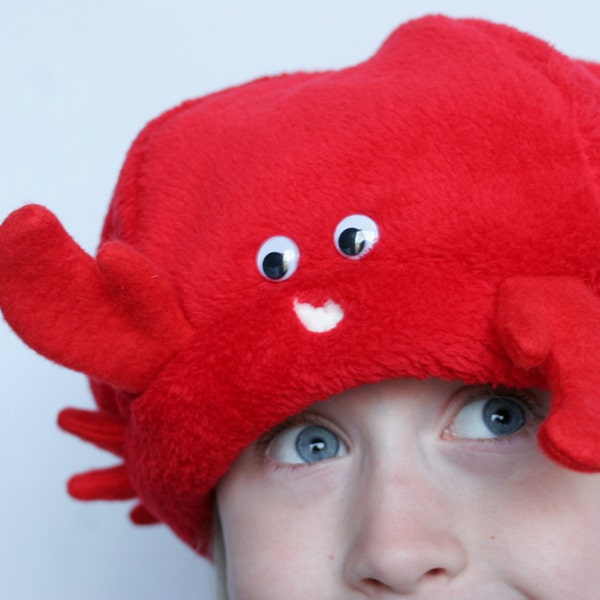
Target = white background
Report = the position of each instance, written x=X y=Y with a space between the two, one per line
x=78 y=80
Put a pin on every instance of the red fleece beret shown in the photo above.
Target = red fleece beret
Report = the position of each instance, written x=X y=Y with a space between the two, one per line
x=432 y=211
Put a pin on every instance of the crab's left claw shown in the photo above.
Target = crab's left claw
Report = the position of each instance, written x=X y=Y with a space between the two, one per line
x=553 y=324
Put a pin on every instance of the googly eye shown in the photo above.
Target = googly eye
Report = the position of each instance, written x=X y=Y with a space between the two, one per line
x=277 y=259
x=355 y=236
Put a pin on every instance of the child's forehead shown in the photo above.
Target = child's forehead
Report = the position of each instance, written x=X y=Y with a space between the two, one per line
x=396 y=403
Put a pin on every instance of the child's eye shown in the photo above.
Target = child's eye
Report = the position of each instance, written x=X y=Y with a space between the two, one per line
x=306 y=444
x=493 y=414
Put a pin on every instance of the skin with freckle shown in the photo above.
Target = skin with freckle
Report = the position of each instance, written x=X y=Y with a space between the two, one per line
x=409 y=509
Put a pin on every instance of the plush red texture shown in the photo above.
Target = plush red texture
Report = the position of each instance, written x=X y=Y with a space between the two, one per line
x=553 y=323
x=106 y=431
x=59 y=300
x=476 y=150
x=102 y=484
x=141 y=516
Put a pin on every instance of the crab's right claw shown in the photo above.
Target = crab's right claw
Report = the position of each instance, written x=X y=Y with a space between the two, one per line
x=553 y=324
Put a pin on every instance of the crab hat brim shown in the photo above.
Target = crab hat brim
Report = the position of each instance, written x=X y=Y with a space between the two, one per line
x=432 y=211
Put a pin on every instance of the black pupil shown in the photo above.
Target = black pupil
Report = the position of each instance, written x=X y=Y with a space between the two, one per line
x=351 y=241
x=503 y=416
x=274 y=265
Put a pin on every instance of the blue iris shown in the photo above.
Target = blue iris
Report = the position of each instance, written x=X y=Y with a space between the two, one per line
x=503 y=416
x=315 y=443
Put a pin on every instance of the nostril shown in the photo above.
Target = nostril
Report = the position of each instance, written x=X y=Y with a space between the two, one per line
x=435 y=572
x=374 y=585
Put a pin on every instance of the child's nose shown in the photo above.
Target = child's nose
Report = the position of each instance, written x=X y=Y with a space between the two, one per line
x=403 y=541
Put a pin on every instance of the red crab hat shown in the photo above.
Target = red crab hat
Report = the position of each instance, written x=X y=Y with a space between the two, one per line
x=432 y=211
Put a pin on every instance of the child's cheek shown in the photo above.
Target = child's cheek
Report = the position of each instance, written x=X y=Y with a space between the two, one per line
x=533 y=522
x=301 y=487
x=510 y=460
x=548 y=525
x=274 y=515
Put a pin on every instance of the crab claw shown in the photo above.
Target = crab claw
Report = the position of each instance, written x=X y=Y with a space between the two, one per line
x=115 y=319
x=553 y=324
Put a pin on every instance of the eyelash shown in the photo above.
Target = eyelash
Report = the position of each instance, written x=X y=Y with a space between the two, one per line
x=303 y=419
x=528 y=399
x=532 y=404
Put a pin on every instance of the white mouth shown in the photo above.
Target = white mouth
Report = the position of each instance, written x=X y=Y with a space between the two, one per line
x=319 y=318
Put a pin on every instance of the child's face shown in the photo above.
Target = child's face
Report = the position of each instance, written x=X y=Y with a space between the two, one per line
x=420 y=489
